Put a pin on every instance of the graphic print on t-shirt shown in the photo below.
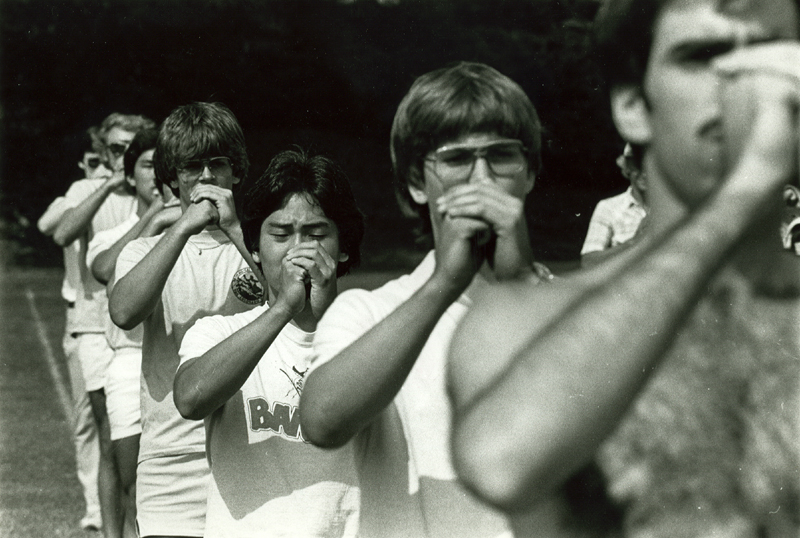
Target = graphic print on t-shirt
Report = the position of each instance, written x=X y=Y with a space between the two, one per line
x=246 y=287
x=279 y=418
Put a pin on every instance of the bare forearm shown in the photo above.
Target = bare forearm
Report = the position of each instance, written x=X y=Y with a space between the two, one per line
x=136 y=294
x=105 y=262
x=337 y=403
x=574 y=380
x=204 y=384
x=76 y=220
x=49 y=220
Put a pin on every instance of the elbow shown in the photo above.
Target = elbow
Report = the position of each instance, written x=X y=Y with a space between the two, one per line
x=317 y=425
x=186 y=398
x=186 y=407
x=61 y=239
x=493 y=467
x=120 y=316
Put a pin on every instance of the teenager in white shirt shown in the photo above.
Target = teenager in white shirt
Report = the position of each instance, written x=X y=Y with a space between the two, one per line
x=87 y=445
x=122 y=377
x=166 y=282
x=465 y=150
x=93 y=206
x=244 y=373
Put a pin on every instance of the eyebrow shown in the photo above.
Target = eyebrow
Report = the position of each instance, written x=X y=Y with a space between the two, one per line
x=718 y=45
x=307 y=226
x=707 y=47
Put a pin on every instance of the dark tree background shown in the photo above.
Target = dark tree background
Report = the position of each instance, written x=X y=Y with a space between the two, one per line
x=321 y=74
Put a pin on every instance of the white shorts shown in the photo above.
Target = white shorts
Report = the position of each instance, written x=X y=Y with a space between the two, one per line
x=122 y=393
x=95 y=355
x=171 y=495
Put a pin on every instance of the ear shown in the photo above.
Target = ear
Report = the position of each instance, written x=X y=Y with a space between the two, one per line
x=631 y=113
x=174 y=184
x=131 y=181
x=418 y=195
x=343 y=257
x=256 y=256
x=236 y=180
x=530 y=182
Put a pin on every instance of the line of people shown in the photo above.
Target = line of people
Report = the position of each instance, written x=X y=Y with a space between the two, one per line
x=652 y=393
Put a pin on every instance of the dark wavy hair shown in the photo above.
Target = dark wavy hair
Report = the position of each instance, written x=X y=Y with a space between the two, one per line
x=195 y=131
x=451 y=102
x=295 y=172
x=143 y=141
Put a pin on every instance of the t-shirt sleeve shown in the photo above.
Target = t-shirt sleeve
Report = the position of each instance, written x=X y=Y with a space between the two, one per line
x=102 y=242
x=131 y=255
x=52 y=215
x=203 y=335
x=78 y=192
x=351 y=315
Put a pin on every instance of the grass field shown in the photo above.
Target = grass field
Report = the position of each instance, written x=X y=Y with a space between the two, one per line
x=39 y=491
x=40 y=495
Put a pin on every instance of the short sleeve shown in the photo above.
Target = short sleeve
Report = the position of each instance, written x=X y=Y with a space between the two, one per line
x=103 y=241
x=351 y=315
x=132 y=254
x=203 y=335
x=52 y=215
x=79 y=191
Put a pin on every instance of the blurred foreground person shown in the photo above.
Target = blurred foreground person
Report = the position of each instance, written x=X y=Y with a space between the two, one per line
x=675 y=365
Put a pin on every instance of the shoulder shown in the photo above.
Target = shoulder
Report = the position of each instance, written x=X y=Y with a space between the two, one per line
x=225 y=325
x=136 y=249
x=82 y=188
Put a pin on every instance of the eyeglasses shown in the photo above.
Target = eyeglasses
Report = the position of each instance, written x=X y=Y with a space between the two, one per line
x=117 y=149
x=454 y=164
x=215 y=165
x=93 y=162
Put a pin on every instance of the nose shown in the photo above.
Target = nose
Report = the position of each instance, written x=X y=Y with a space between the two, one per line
x=481 y=172
x=206 y=175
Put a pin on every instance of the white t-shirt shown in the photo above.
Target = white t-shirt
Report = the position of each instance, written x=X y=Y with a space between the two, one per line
x=614 y=221
x=91 y=302
x=207 y=278
x=412 y=436
x=117 y=338
x=267 y=481
x=71 y=281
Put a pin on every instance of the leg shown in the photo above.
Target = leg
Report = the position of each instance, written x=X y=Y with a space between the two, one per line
x=108 y=482
x=126 y=455
x=87 y=446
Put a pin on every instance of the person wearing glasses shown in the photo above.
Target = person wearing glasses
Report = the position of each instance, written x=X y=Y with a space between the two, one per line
x=92 y=206
x=87 y=448
x=122 y=378
x=194 y=269
x=465 y=147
